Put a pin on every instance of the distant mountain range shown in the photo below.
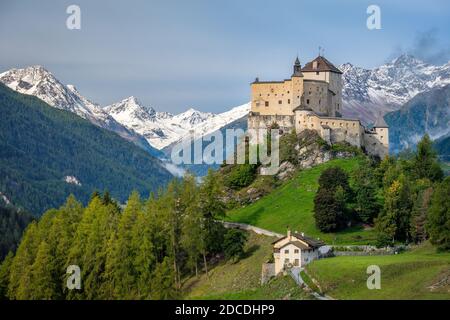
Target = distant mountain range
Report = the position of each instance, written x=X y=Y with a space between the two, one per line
x=46 y=154
x=162 y=129
x=427 y=112
x=368 y=93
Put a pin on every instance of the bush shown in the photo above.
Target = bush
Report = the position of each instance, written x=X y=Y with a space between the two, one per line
x=329 y=210
x=234 y=243
x=240 y=176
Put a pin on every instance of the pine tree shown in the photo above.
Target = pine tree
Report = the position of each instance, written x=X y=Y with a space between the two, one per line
x=329 y=209
x=163 y=281
x=425 y=163
x=123 y=252
x=234 y=243
x=5 y=269
x=193 y=228
x=366 y=205
x=438 y=224
x=419 y=215
x=42 y=284
x=23 y=260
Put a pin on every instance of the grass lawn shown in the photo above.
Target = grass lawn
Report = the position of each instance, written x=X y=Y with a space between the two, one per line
x=404 y=276
x=292 y=205
x=241 y=280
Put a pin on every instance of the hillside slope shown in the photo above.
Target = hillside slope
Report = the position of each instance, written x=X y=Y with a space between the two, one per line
x=241 y=279
x=428 y=112
x=47 y=154
x=39 y=82
x=418 y=274
x=292 y=205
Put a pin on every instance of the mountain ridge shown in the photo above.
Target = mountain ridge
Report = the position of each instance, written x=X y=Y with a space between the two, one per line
x=46 y=154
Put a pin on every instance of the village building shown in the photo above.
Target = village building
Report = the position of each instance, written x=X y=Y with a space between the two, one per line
x=312 y=99
x=294 y=250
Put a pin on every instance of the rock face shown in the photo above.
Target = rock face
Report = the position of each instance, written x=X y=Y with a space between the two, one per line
x=310 y=151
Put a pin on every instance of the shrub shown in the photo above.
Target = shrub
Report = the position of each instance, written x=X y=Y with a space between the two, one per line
x=233 y=244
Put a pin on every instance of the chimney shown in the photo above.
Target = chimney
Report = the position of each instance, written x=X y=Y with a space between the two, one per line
x=289 y=233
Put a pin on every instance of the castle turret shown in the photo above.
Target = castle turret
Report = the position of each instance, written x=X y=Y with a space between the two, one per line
x=381 y=135
x=297 y=68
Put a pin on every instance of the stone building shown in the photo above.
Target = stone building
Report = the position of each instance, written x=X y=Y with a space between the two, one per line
x=294 y=250
x=312 y=99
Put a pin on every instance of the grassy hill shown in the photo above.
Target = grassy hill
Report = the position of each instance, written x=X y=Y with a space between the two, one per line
x=292 y=205
x=41 y=145
x=241 y=280
x=404 y=276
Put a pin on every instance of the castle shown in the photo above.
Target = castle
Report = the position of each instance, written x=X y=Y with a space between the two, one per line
x=312 y=99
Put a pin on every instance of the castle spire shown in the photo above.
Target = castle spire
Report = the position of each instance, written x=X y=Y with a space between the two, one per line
x=297 y=68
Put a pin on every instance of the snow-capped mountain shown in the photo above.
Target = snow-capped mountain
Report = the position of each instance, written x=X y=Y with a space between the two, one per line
x=367 y=93
x=39 y=82
x=162 y=129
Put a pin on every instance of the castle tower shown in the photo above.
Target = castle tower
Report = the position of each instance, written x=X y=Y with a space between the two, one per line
x=382 y=136
x=302 y=115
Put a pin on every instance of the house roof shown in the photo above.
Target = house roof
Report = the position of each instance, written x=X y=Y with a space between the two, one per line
x=298 y=244
x=322 y=65
x=311 y=242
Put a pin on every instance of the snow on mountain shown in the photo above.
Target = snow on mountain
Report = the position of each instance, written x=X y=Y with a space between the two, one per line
x=367 y=93
x=39 y=82
x=161 y=129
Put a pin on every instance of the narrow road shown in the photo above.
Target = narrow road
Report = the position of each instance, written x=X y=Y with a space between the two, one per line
x=295 y=273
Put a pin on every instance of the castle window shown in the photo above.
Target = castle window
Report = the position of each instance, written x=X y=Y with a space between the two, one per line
x=381 y=137
x=319 y=101
x=279 y=102
x=298 y=97
x=288 y=92
x=317 y=72
x=295 y=250
x=286 y=251
x=289 y=101
x=266 y=103
x=257 y=103
x=268 y=94
x=307 y=101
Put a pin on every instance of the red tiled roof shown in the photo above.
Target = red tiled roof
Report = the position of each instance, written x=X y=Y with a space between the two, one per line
x=322 y=65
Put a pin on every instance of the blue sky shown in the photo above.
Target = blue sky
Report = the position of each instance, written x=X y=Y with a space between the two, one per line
x=173 y=55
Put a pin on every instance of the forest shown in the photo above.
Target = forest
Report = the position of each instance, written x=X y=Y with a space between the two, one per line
x=140 y=251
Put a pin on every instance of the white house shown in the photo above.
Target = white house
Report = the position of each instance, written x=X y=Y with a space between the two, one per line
x=295 y=250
